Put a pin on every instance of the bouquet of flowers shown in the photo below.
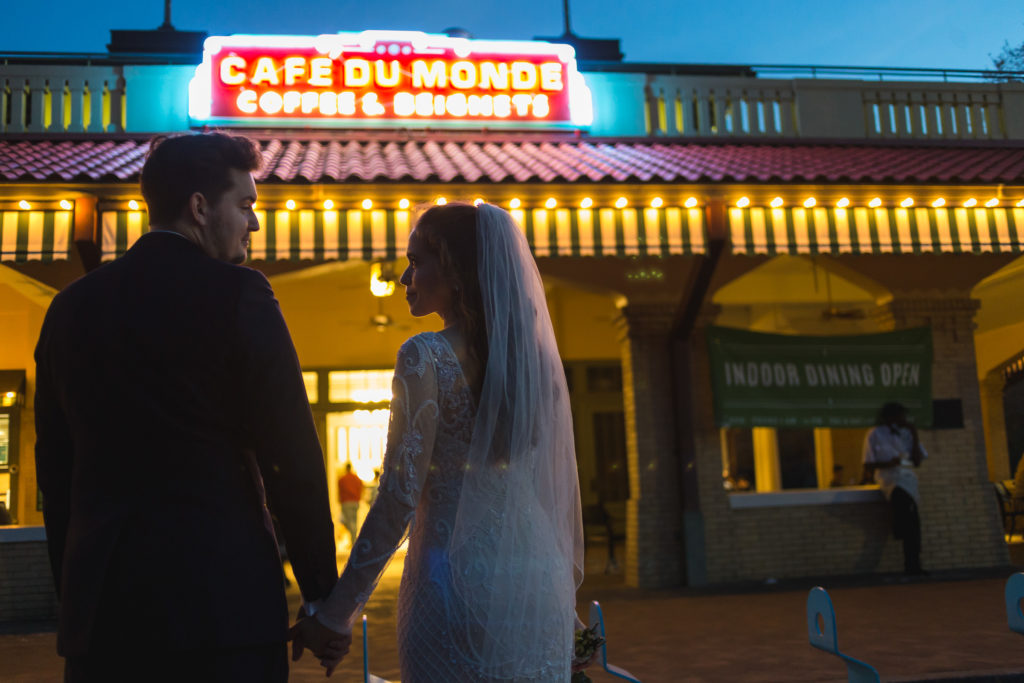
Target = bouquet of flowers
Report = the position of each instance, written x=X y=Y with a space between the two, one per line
x=587 y=644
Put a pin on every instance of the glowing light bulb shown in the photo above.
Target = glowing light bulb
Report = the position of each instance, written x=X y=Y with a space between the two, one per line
x=777 y=202
x=971 y=202
x=810 y=202
x=843 y=202
x=939 y=203
x=621 y=203
x=1020 y=203
x=875 y=203
x=992 y=202
x=441 y=201
x=379 y=286
x=66 y=205
x=657 y=203
x=907 y=203
x=743 y=202
x=588 y=202
x=690 y=202
x=328 y=205
x=478 y=201
x=515 y=203
x=290 y=204
x=403 y=203
x=367 y=204
x=550 y=203
x=24 y=206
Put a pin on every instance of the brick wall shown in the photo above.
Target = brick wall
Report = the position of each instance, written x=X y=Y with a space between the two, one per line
x=26 y=583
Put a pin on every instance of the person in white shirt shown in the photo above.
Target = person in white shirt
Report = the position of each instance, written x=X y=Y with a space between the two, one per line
x=892 y=450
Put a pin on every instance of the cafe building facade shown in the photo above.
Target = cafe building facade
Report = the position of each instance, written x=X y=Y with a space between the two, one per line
x=741 y=266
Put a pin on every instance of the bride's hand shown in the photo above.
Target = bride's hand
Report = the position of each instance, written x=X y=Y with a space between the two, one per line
x=329 y=646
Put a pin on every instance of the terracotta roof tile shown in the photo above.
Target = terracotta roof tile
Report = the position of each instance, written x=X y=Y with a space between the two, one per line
x=494 y=160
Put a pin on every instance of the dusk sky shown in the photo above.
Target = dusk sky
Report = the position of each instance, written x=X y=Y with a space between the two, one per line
x=916 y=33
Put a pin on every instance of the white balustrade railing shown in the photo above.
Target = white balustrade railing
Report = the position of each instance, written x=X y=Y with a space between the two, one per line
x=944 y=111
x=719 y=107
x=699 y=106
x=61 y=99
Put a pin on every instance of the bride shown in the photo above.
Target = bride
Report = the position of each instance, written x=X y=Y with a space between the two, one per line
x=480 y=469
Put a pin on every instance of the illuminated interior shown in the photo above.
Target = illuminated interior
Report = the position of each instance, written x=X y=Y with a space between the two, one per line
x=358 y=435
x=5 y=477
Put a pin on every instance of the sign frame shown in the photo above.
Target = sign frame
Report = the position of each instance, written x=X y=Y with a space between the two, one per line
x=323 y=96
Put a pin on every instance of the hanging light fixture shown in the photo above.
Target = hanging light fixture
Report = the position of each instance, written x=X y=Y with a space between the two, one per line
x=382 y=279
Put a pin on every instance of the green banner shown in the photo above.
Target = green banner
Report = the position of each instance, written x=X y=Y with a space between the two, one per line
x=778 y=380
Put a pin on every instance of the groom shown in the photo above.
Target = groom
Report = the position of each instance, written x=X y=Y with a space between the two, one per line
x=168 y=393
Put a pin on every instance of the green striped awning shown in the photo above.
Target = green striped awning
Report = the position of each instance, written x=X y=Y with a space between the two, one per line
x=35 y=235
x=863 y=230
x=382 y=233
x=119 y=230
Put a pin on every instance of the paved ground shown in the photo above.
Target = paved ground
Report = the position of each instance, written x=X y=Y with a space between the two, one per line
x=946 y=627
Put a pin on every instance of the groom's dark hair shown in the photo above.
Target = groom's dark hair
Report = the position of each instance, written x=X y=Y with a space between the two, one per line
x=178 y=166
x=449 y=231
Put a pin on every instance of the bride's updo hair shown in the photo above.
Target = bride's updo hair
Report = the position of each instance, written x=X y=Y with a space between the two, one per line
x=449 y=231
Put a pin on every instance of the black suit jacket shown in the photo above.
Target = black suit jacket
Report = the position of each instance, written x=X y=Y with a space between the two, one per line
x=162 y=379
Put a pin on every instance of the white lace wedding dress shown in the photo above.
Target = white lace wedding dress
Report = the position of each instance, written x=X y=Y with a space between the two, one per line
x=432 y=419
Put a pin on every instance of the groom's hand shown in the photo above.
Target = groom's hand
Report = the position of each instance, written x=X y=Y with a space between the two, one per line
x=330 y=646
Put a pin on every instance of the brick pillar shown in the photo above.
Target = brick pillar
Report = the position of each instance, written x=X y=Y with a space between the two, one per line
x=959 y=522
x=706 y=519
x=653 y=514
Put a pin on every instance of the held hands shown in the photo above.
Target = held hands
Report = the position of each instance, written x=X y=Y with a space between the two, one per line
x=330 y=646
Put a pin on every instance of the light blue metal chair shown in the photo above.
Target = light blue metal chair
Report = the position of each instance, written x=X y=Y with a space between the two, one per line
x=367 y=676
x=1014 y=594
x=597 y=619
x=824 y=636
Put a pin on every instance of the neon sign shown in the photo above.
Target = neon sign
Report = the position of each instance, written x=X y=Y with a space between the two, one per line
x=387 y=78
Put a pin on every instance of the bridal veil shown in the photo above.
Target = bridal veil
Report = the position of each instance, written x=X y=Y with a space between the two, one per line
x=517 y=543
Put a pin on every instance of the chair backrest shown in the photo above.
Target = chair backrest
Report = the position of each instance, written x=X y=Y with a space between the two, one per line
x=367 y=676
x=822 y=635
x=1002 y=493
x=1014 y=594
x=597 y=619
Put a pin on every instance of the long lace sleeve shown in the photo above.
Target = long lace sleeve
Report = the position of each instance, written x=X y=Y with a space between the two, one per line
x=411 y=432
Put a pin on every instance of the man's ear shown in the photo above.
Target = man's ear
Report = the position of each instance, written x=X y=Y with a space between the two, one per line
x=198 y=208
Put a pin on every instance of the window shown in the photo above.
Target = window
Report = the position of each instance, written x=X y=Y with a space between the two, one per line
x=5 y=450
x=797 y=458
x=359 y=386
x=5 y=440
x=766 y=459
x=312 y=382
